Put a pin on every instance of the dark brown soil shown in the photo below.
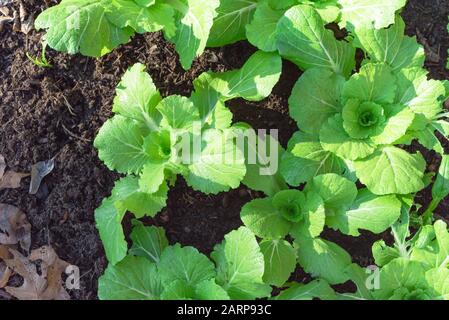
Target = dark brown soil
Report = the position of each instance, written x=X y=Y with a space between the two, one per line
x=58 y=111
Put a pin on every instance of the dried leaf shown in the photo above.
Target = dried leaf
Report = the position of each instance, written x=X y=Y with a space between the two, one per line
x=2 y=163
x=4 y=10
x=38 y=172
x=5 y=274
x=27 y=25
x=5 y=2
x=15 y=227
x=44 y=286
x=11 y=180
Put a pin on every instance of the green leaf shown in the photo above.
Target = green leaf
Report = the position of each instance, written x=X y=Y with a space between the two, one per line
x=280 y=261
x=81 y=26
x=240 y=265
x=324 y=259
x=313 y=217
x=398 y=121
x=369 y=212
x=220 y=165
x=125 y=13
x=378 y=14
x=438 y=281
x=262 y=218
x=306 y=159
x=148 y=242
x=315 y=289
x=178 y=112
x=383 y=254
x=374 y=82
x=137 y=97
x=194 y=20
x=419 y=93
x=253 y=82
x=337 y=192
x=390 y=46
x=120 y=145
x=440 y=188
x=132 y=198
x=315 y=98
x=209 y=290
x=185 y=264
x=134 y=278
x=229 y=25
x=261 y=31
x=334 y=138
x=303 y=40
x=152 y=177
x=178 y=290
x=108 y=219
x=263 y=174
x=392 y=170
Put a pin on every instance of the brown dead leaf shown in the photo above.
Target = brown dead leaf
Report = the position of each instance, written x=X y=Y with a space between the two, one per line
x=38 y=172
x=5 y=273
x=2 y=166
x=15 y=227
x=46 y=285
x=11 y=180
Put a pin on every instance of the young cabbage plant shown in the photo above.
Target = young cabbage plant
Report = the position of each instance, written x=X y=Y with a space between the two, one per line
x=96 y=27
x=257 y=20
x=154 y=270
x=354 y=123
x=152 y=140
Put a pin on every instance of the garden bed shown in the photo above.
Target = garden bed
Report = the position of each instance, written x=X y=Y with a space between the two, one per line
x=57 y=112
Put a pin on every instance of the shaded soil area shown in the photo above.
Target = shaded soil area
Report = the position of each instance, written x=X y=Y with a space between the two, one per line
x=57 y=112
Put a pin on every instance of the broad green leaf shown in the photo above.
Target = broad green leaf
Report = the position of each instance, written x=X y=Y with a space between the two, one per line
x=210 y=290
x=374 y=82
x=134 y=278
x=419 y=93
x=220 y=165
x=120 y=145
x=240 y=265
x=137 y=97
x=125 y=13
x=145 y=3
x=315 y=289
x=261 y=31
x=369 y=212
x=438 y=281
x=108 y=220
x=440 y=188
x=280 y=261
x=395 y=126
x=334 y=138
x=359 y=277
x=129 y=196
x=337 y=192
x=178 y=112
x=390 y=46
x=229 y=25
x=315 y=98
x=148 y=242
x=194 y=19
x=152 y=177
x=314 y=217
x=262 y=218
x=392 y=170
x=324 y=259
x=378 y=14
x=306 y=159
x=399 y=279
x=185 y=264
x=253 y=82
x=383 y=254
x=303 y=39
x=263 y=174
x=81 y=26
x=178 y=290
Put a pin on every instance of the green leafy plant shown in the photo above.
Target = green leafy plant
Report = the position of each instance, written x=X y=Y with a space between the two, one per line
x=42 y=61
x=257 y=20
x=95 y=27
x=354 y=123
x=153 y=140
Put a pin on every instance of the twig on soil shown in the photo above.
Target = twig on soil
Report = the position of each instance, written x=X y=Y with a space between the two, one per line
x=431 y=55
x=69 y=106
x=74 y=135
